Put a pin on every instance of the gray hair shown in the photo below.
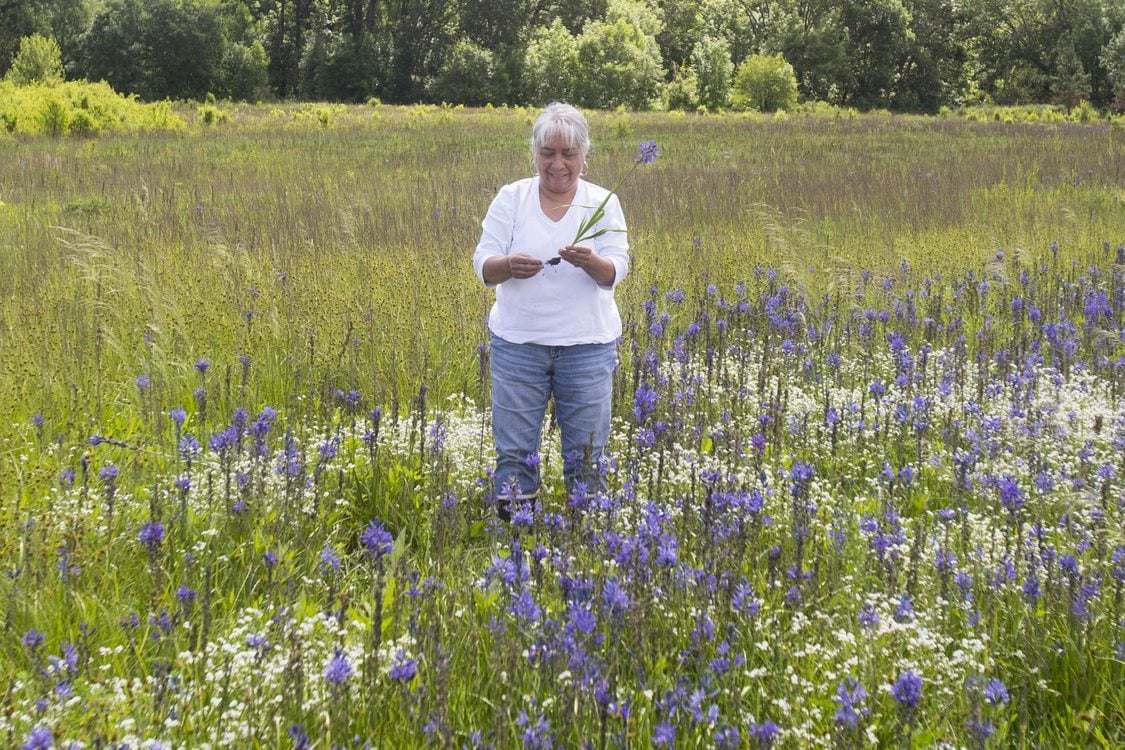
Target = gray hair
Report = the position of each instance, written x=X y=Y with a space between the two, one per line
x=560 y=120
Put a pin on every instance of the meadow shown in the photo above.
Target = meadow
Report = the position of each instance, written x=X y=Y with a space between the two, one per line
x=867 y=478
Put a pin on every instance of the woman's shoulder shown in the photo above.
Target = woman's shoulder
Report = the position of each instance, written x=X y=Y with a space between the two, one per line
x=594 y=193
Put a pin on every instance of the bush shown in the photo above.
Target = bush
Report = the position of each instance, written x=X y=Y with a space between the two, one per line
x=680 y=92
x=79 y=107
x=38 y=61
x=212 y=115
x=766 y=83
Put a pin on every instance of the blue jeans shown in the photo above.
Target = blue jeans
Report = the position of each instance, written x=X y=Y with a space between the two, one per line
x=524 y=378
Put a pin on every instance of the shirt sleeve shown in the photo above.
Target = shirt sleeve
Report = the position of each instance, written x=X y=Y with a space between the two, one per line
x=496 y=231
x=614 y=245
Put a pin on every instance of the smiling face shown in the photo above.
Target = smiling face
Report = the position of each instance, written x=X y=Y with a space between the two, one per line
x=559 y=166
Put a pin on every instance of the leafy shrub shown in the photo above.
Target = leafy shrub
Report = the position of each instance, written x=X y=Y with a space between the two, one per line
x=212 y=115
x=680 y=92
x=765 y=83
x=54 y=117
x=79 y=107
x=38 y=61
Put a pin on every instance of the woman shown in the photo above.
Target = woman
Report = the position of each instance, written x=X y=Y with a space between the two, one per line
x=554 y=325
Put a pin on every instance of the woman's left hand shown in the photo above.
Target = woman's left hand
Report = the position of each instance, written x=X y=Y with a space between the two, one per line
x=601 y=270
x=578 y=256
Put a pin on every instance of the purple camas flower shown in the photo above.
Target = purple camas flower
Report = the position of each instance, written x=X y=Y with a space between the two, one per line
x=664 y=735
x=151 y=534
x=337 y=670
x=39 y=738
x=649 y=152
x=202 y=364
x=299 y=737
x=221 y=442
x=108 y=473
x=328 y=449
x=33 y=639
x=727 y=738
x=1011 y=496
x=907 y=690
x=995 y=692
x=329 y=560
x=904 y=610
x=404 y=668
x=257 y=641
x=188 y=447
x=525 y=609
x=376 y=540
x=644 y=402
x=182 y=483
x=178 y=416
x=851 y=696
x=185 y=595
x=765 y=733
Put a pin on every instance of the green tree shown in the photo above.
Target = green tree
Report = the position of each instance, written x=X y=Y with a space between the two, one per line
x=244 y=71
x=184 y=43
x=1113 y=59
x=879 y=46
x=466 y=77
x=934 y=74
x=810 y=35
x=38 y=61
x=550 y=66
x=766 y=83
x=1070 y=83
x=713 y=71
x=618 y=64
x=1015 y=45
x=113 y=48
x=62 y=20
x=680 y=32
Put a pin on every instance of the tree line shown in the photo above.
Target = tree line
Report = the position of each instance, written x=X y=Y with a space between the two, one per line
x=902 y=55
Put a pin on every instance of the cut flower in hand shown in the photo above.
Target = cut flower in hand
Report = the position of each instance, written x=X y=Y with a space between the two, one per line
x=586 y=230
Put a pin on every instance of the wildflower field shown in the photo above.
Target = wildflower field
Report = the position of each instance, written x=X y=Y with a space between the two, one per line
x=867 y=477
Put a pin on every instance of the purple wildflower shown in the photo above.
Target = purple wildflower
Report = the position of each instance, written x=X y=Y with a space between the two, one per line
x=33 y=639
x=39 y=738
x=376 y=540
x=151 y=534
x=907 y=690
x=404 y=668
x=337 y=671
x=664 y=735
x=765 y=733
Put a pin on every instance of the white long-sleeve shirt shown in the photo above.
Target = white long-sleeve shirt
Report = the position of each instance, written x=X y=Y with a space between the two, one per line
x=561 y=305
